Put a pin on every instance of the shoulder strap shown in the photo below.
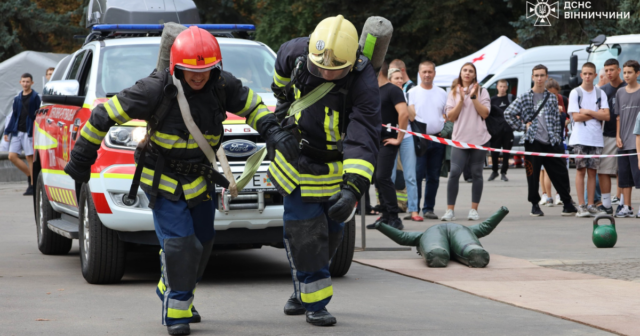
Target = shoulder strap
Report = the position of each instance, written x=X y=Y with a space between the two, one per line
x=544 y=101
x=310 y=98
x=154 y=122
x=598 y=96
x=510 y=98
x=580 y=94
x=168 y=93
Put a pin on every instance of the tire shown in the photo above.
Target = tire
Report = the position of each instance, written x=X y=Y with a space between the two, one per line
x=102 y=253
x=49 y=242
x=341 y=262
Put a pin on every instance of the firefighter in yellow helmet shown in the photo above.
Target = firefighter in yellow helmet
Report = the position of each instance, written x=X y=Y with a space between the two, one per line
x=338 y=131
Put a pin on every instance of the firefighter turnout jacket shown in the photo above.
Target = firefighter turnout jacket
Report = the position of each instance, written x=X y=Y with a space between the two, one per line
x=323 y=127
x=172 y=139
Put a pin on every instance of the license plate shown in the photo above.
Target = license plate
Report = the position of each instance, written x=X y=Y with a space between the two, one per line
x=260 y=181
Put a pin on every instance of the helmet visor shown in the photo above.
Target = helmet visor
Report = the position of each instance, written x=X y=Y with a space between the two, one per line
x=199 y=68
x=326 y=74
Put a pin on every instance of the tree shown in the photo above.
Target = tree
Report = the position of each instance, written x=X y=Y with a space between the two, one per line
x=25 y=25
x=440 y=31
x=578 y=31
x=225 y=11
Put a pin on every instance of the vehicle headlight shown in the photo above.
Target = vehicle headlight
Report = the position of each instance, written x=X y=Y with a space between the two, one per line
x=125 y=137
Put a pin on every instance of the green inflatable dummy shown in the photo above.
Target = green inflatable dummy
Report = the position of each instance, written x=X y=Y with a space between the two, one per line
x=444 y=241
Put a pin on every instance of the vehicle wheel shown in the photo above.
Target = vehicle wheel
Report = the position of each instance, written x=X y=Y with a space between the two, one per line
x=102 y=253
x=341 y=262
x=49 y=242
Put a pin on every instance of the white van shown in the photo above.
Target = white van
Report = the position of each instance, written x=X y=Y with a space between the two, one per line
x=517 y=71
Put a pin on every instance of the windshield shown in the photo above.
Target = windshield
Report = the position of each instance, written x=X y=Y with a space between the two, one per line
x=622 y=52
x=122 y=66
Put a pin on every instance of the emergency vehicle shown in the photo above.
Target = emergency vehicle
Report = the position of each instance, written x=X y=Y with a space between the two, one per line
x=113 y=57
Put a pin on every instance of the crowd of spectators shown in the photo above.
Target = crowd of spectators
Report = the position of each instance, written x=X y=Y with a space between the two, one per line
x=593 y=120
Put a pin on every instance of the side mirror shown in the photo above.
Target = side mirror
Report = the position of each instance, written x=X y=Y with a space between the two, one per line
x=64 y=92
x=598 y=40
x=573 y=65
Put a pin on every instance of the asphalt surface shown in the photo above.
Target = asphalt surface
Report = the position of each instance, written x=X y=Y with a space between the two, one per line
x=243 y=292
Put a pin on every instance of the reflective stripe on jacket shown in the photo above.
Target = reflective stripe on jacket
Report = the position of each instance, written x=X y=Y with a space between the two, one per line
x=322 y=126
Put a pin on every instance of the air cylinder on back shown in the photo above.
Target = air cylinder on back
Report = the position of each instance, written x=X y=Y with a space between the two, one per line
x=375 y=38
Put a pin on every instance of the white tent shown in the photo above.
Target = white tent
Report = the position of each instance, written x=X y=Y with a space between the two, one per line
x=33 y=62
x=487 y=60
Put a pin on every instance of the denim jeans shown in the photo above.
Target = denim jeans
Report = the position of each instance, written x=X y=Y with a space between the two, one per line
x=408 y=159
x=428 y=168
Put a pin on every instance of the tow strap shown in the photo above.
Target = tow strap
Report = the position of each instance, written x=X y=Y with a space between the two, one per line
x=252 y=165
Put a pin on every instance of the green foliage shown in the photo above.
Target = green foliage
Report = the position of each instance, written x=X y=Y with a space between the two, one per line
x=224 y=11
x=24 y=25
x=434 y=30
x=578 y=31
x=437 y=30
x=631 y=25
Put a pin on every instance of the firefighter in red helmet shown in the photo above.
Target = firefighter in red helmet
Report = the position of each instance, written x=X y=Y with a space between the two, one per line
x=172 y=170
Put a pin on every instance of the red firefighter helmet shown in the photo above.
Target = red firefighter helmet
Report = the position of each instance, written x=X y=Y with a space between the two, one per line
x=195 y=49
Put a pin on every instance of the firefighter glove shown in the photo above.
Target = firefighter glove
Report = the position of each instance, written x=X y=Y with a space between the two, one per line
x=79 y=172
x=353 y=187
x=281 y=110
x=279 y=139
x=345 y=202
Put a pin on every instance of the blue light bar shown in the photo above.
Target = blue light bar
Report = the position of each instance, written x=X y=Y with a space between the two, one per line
x=156 y=27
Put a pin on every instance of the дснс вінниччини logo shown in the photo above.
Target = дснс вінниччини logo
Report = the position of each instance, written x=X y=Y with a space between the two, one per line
x=543 y=10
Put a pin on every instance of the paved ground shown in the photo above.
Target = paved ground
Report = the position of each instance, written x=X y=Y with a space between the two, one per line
x=243 y=291
x=550 y=241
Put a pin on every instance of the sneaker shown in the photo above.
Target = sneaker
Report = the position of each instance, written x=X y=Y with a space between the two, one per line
x=380 y=219
x=448 y=216
x=473 y=215
x=582 y=211
x=543 y=199
x=493 y=176
x=535 y=211
x=624 y=212
x=504 y=177
x=430 y=215
x=569 y=210
x=549 y=202
x=592 y=210
x=396 y=223
x=469 y=180
x=558 y=200
x=602 y=210
x=28 y=192
x=615 y=200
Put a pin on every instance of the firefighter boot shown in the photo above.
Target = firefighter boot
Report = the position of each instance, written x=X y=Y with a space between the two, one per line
x=179 y=329
x=196 y=316
x=321 y=318
x=293 y=306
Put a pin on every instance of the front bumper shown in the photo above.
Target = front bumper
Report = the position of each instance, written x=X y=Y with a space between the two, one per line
x=106 y=187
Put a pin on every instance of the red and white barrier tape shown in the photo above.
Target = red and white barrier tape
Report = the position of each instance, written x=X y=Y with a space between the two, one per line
x=459 y=144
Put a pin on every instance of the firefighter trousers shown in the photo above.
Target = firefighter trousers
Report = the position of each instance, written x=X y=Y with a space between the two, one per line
x=311 y=239
x=186 y=238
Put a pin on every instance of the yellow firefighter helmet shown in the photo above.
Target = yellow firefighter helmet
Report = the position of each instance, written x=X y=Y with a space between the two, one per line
x=333 y=48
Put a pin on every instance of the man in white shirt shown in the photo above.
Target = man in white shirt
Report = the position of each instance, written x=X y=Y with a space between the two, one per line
x=427 y=102
x=588 y=108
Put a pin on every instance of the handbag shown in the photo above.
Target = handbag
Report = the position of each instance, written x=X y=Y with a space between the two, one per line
x=421 y=144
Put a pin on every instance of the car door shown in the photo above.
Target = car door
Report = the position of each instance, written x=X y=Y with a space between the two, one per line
x=60 y=124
